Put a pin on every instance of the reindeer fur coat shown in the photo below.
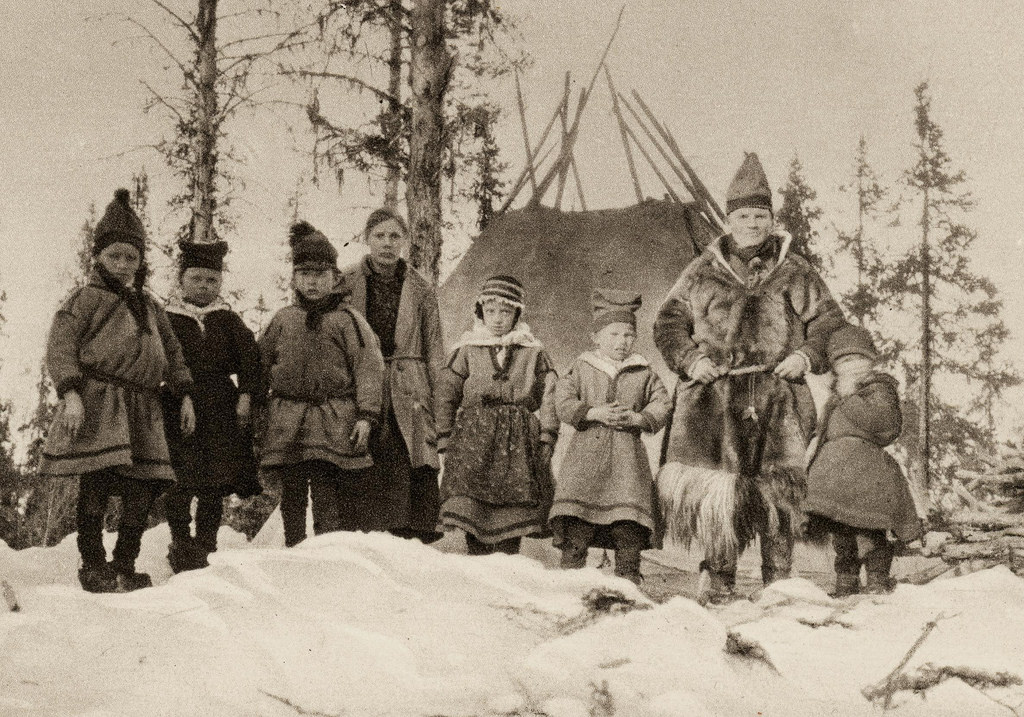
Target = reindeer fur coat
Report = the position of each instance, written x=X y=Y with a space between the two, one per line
x=733 y=452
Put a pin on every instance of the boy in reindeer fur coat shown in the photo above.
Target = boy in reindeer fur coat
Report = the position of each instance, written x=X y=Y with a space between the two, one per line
x=742 y=325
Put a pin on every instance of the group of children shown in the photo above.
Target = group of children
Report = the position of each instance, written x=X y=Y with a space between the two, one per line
x=149 y=405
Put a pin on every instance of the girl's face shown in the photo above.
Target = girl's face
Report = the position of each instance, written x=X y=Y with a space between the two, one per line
x=122 y=260
x=750 y=225
x=313 y=284
x=615 y=341
x=499 y=317
x=200 y=286
x=387 y=242
x=849 y=370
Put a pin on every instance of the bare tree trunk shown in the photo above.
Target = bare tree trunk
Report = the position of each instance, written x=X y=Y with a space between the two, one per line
x=924 y=420
x=391 y=124
x=430 y=69
x=204 y=202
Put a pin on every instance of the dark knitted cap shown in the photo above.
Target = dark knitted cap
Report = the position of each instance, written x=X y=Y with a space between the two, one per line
x=195 y=255
x=848 y=340
x=119 y=223
x=310 y=248
x=749 y=188
x=506 y=289
x=611 y=306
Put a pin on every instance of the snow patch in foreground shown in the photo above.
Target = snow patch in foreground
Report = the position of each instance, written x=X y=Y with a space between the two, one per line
x=360 y=624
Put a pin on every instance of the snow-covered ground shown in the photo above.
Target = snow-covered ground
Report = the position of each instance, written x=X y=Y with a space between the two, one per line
x=366 y=625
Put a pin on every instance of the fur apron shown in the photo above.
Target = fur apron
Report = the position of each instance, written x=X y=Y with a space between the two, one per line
x=733 y=453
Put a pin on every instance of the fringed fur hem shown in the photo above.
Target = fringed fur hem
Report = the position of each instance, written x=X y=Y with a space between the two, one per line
x=723 y=512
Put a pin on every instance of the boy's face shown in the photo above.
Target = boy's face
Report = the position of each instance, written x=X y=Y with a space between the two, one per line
x=387 y=242
x=200 y=286
x=849 y=370
x=313 y=284
x=750 y=226
x=499 y=317
x=615 y=341
x=122 y=260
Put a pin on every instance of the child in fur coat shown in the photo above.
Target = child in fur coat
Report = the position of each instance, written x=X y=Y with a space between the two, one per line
x=605 y=494
x=496 y=484
x=110 y=348
x=323 y=366
x=855 y=490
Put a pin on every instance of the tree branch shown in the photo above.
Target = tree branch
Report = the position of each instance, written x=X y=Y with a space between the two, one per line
x=187 y=26
x=345 y=78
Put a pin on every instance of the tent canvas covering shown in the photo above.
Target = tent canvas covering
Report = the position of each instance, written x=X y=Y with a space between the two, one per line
x=560 y=256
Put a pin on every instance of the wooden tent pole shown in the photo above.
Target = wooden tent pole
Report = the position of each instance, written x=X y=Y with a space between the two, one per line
x=563 y=171
x=579 y=185
x=526 y=134
x=522 y=179
x=671 y=142
x=526 y=170
x=625 y=140
x=574 y=130
x=654 y=166
x=565 y=155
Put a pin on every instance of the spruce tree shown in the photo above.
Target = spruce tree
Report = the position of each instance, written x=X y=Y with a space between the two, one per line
x=799 y=215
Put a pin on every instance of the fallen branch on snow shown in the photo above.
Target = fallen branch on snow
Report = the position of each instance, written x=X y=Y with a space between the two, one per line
x=888 y=686
x=736 y=644
x=299 y=709
x=9 y=597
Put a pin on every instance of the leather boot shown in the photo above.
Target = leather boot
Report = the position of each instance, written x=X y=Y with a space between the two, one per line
x=846 y=584
x=129 y=582
x=97 y=578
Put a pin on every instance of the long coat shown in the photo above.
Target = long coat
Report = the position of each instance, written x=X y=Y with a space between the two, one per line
x=733 y=452
x=412 y=372
x=216 y=344
x=98 y=348
x=321 y=382
x=606 y=475
x=851 y=479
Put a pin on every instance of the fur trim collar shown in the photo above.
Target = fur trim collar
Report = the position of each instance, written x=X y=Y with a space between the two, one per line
x=609 y=367
x=177 y=305
x=520 y=335
x=715 y=248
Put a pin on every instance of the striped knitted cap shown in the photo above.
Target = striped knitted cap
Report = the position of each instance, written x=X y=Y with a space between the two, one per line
x=506 y=289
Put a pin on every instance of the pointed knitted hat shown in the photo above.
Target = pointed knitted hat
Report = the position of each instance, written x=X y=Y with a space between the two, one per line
x=612 y=306
x=310 y=248
x=119 y=223
x=202 y=256
x=749 y=188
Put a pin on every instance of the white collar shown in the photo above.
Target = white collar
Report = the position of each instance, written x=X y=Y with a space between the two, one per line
x=715 y=248
x=177 y=305
x=480 y=336
x=609 y=367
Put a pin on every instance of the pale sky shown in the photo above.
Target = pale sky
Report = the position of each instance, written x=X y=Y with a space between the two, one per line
x=775 y=76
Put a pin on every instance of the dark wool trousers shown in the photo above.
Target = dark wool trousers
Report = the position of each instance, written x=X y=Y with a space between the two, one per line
x=877 y=558
x=209 y=511
x=329 y=488
x=628 y=537
x=94 y=492
x=475 y=546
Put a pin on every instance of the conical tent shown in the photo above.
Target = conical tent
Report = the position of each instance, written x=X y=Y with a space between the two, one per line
x=560 y=256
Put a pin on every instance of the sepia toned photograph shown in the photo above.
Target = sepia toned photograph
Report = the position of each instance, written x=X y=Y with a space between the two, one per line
x=466 y=358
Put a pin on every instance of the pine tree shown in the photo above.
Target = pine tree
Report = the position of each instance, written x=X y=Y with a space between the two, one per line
x=800 y=215
x=863 y=299
x=957 y=310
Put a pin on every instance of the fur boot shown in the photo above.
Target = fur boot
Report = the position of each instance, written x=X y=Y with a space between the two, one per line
x=846 y=584
x=98 y=578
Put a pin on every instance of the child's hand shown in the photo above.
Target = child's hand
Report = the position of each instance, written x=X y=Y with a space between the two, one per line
x=243 y=410
x=188 y=417
x=360 y=435
x=610 y=414
x=70 y=419
x=634 y=420
x=707 y=371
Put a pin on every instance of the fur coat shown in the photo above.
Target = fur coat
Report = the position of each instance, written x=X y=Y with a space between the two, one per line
x=851 y=479
x=733 y=454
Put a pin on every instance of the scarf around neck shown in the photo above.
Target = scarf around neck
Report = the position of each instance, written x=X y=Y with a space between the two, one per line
x=132 y=298
x=520 y=335
x=315 y=310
